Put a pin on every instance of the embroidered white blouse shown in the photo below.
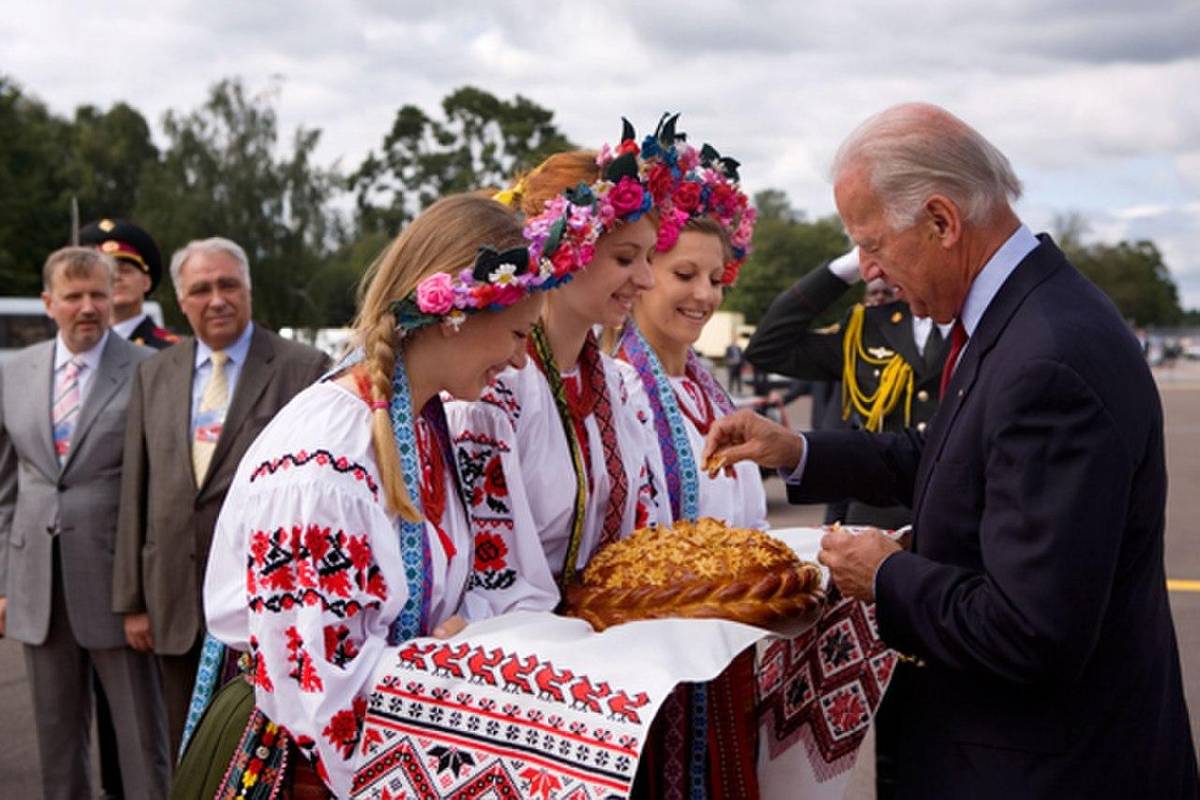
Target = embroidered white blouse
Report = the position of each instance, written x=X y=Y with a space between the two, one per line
x=740 y=501
x=524 y=505
x=306 y=573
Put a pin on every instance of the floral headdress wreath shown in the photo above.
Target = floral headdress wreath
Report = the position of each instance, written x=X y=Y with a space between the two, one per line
x=709 y=187
x=496 y=281
x=562 y=239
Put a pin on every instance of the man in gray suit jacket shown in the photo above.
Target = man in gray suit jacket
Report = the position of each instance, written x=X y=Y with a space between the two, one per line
x=195 y=409
x=62 y=424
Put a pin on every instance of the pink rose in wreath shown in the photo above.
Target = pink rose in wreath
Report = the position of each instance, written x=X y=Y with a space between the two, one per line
x=435 y=294
x=626 y=196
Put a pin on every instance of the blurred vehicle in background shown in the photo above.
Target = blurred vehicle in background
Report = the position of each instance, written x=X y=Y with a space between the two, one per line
x=23 y=322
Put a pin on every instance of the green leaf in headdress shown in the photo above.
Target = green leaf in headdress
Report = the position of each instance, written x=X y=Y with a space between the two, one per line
x=554 y=236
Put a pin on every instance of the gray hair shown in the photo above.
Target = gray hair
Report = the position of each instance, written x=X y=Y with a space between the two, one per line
x=215 y=244
x=77 y=262
x=915 y=150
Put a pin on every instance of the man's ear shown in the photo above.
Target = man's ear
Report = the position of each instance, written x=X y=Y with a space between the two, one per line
x=944 y=220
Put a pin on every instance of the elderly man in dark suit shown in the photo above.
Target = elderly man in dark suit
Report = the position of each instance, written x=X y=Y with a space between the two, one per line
x=195 y=409
x=62 y=422
x=1034 y=593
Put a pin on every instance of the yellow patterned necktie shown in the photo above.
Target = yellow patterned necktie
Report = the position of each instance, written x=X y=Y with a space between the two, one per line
x=210 y=416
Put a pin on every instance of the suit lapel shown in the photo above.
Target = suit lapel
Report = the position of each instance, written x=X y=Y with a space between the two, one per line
x=935 y=354
x=40 y=377
x=176 y=395
x=1040 y=264
x=253 y=378
x=143 y=332
x=113 y=370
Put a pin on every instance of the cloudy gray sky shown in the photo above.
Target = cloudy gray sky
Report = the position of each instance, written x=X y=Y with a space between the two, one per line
x=1096 y=102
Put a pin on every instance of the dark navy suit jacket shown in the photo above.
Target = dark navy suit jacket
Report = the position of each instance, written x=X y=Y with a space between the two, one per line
x=1035 y=591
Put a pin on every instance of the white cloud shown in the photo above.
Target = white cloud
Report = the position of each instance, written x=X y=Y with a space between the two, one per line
x=1093 y=100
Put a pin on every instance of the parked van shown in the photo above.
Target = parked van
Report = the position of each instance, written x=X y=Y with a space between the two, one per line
x=23 y=321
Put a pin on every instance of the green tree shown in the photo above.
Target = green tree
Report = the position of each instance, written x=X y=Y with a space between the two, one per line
x=784 y=248
x=36 y=177
x=110 y=149
x=1135 y=278
x=1132 y=274
x=480 y=141
x=45 y=161
x=224 y=173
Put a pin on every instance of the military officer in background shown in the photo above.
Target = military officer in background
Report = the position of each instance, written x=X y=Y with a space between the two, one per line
x=139 y=269
x=889 y=362
x=890 y=366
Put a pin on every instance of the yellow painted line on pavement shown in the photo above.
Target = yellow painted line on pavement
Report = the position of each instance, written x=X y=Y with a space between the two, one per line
x=1180 y=585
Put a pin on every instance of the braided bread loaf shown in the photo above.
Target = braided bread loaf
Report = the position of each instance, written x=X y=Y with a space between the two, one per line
x=700 y=569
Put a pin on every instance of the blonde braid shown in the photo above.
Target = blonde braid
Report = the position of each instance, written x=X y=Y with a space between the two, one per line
x=380 y=362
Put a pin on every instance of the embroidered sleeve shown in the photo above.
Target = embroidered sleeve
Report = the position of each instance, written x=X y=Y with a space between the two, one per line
x=510 y=570
x=321 y=577
x=653 y=507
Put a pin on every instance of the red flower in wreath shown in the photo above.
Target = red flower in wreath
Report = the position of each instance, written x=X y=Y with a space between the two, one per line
x=661 y=182
x=730 y=273
x=490 y=552
x=493 y=478
x=687 y=196
x=563 y=259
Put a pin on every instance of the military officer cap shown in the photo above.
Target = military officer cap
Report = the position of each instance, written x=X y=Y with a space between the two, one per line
x=127 y=242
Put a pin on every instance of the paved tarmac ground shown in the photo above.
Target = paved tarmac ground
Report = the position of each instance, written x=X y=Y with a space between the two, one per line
x=1180 y=389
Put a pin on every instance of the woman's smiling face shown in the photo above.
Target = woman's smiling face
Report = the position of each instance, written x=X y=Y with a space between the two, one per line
x=687 y=290
x=604 y=291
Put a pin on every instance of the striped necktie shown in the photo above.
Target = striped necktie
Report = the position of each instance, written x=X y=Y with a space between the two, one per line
x=210 y=416
x=65 y=411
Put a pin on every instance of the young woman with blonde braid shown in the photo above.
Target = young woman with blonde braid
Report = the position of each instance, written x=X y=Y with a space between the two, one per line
x=564 y=457
x=344 y=532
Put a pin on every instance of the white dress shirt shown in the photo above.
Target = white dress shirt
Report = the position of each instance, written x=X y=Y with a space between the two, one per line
x=126 y=327
x=91 y=363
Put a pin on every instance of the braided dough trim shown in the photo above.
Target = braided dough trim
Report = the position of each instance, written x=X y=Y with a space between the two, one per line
x=763 y=598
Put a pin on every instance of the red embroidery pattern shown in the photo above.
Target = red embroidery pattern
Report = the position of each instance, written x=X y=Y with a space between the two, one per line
x=707 y=415
x=307 y=566
x=501 y=395
x=490 y=552
x=529 y=676
x=591 y=367
x=303 y=671
x=345 y=727
x=340 y=649
x=433 y=484
x=822 y=687
x=322 y=458
x=482 y=473
x=259 y=676
x=427 y=740
x=647 y=498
